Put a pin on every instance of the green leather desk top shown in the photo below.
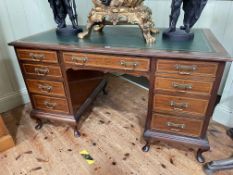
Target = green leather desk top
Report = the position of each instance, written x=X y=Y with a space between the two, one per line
x=130 y=39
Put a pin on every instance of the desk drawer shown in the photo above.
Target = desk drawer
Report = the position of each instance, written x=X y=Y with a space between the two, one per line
x=185 y=86
x=42 y=70
x=37 y=55
x=46 y=87
x=50 y=104
x=177 y=125
x=107 y=61
x=179 y=105
x=187 y=68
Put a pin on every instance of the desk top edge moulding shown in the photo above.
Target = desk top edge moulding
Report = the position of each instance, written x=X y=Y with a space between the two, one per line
x=203 y=47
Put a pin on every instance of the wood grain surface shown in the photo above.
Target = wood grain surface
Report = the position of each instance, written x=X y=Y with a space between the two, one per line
x=107 y=61
x=6 y=140
x=113 y=136
x=39 y=70
x=37 y=55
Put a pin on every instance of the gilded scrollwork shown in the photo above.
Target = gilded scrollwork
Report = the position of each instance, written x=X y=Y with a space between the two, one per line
x=121 y=12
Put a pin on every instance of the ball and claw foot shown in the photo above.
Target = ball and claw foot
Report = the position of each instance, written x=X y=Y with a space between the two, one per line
x=146 y=148
x=83 y=34
x=200 y=157
x=77 y=134
x=39 y=125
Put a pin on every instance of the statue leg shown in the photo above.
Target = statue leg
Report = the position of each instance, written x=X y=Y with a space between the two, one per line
x=87 y=32
x=175 y=13
x=146 y=31
x=99 y=28
x=71 y=13
x=93 y=20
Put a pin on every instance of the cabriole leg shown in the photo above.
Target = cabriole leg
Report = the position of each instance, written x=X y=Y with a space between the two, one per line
x=146 y=148
x=76 y=132
x=199 y=156
x=39 y=124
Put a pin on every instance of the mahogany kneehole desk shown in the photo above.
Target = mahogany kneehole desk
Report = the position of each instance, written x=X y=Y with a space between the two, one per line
x=63 y=76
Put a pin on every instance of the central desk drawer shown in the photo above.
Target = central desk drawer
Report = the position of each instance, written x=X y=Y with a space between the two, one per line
x=177 y=125
x=187 y=68
x=50 y=104
x=46 y=87
x=185 y=86
x=42 y=70
x=37 y=55
x=179 y=105
x=107 y=61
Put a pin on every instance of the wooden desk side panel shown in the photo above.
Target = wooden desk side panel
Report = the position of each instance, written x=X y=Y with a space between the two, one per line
x=6 y=141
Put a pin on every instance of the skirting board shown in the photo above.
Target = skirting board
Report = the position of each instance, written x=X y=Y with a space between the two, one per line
x=14 y=99
x=223 y=115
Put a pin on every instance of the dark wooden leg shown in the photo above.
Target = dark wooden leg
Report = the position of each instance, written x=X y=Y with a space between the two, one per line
x=104 y=89
x=218 y=165
x=76 y=131
x=39 y=124
x=146 y=148
x=86 y=105
x=199 y=156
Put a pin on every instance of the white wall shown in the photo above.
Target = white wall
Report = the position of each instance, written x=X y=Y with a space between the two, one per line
x=224 y=110
x=18 y=18
x=21 y=18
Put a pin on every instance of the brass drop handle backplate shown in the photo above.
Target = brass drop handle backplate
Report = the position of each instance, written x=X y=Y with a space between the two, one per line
x=78 y=60
x=36 y=56
x=182 y=86
x=178 y=106
x=129 y=64
x=41 y=71
x=185 y=70
x=50 y=105
x=45 y=87
x=176 y=125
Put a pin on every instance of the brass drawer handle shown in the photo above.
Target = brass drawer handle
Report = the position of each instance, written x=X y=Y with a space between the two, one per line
x=129 y=64
x=178 y=106
x=49 y=105
x=45 y=88
x=41 y=71
x=175 y=125
x=185 y=70
x=182 y=86
x=77 y=60
x=37 y=56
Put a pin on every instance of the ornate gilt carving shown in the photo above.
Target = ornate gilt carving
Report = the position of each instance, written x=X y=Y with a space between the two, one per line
x=121 y=12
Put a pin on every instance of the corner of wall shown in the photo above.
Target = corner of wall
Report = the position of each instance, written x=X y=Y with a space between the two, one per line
x=13 y=100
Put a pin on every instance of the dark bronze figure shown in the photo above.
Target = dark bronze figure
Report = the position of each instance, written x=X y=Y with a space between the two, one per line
x=192 y=12
x=106 y=2
x=62 y=8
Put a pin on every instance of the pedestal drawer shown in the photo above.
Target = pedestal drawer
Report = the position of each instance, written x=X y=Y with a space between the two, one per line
x=50 y=104
x=37 y=55
x=42 y=70
x=185 y=86
x=178 y=125
x=46 y=87
x=107 y=61
x=173 y=104
x=187 y=68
